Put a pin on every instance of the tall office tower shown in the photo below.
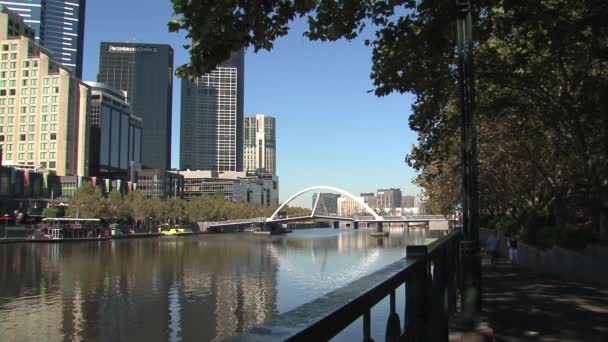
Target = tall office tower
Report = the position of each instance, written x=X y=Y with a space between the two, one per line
x=43 y=107
x=145 y=73
x=212 y=118
x=260 y=144
x=59 y=25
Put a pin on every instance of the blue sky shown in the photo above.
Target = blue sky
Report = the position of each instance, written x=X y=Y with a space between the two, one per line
x=330 y=130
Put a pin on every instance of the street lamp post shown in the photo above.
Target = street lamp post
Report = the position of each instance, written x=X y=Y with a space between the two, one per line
x=470 y=257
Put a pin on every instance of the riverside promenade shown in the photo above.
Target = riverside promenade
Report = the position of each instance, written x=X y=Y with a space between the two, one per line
x=522 y=305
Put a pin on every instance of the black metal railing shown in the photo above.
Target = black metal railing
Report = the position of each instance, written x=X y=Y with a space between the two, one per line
x=431 y=277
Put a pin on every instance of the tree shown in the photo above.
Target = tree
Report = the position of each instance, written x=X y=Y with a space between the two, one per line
x=541 y=82
x=117 y=210
x=138 y=206
x=87 y=202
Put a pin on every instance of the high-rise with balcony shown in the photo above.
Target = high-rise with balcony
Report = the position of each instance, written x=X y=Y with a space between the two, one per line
x=260 y=144
x=212 y=118
x=59 y=26
x=145 y=73
x=43 y=107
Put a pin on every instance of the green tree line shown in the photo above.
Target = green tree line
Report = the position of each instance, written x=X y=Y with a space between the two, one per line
x=541 y=79
x=89 y=202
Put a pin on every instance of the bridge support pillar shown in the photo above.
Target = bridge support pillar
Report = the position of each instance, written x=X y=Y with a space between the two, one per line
x=336 y=224
x=379 y=227
x=356 y=225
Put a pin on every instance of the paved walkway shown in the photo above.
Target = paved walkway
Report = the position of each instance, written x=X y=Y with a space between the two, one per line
x=521 y=305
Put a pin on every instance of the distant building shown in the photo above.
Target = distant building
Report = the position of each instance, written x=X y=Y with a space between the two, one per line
x=328 y=203
x=59 y=25
x=408 y=201
x=369 y=198
x=211 y=136
x=260 y=143
x=257 y=189
x=388 y=200
x=349 y=207
x=161 y=184
x=115 y=135
x=43 y=107
x=145 y=73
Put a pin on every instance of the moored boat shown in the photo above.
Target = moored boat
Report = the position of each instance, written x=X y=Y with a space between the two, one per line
x=175 y=231
x=70 y=229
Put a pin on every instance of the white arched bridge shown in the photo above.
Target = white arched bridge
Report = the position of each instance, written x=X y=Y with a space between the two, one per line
x=440 y=222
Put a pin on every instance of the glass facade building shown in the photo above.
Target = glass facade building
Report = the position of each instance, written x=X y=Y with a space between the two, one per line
x=212 y=118
x=260 y=143
x=145 y=73
x=59 y=27
x=115 y=142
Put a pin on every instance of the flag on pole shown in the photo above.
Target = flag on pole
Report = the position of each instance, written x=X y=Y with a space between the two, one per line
x=94 y=181
x=26 y=177
x=107 y=181
x=45 y=179
x=13 y=175
x=130 y=186
x=134 y=186
x=118 y=185
x=78 y=181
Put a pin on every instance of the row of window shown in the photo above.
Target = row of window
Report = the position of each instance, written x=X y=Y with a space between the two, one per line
x=23 y=118
x=24 y=110
x=30 y=128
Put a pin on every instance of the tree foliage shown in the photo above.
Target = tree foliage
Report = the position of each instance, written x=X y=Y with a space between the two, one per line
x=541 y=78
x=88 y=202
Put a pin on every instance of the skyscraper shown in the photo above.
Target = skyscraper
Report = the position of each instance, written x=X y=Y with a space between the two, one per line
x=212 y=118
x=260 y=143
x=59 y=26
x=43 y=107
x=145 y=73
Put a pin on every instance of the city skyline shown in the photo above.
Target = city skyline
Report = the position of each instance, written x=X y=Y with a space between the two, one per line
x=325 y=116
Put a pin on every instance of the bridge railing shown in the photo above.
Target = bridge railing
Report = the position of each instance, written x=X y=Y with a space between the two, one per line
x=431 y=277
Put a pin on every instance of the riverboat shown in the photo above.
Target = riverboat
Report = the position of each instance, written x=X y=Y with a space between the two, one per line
x=70 y=229
x=175 y=231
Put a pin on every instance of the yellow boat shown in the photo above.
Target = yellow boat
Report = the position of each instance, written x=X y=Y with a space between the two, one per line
x=175 y=231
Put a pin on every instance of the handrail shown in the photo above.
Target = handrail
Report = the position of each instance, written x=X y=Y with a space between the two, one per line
x=430 y=274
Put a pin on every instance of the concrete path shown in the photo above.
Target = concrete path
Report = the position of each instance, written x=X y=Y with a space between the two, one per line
x=521 y=305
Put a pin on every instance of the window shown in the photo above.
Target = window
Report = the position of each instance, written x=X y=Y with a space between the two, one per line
x=10 y=119
x=32 y=118
x=43 y=164
x=12 y=74
x=54 y=108
x=33 y=91
x=42 y=155
x=21 y=156
x=22 y=128
x=53 y=128
x=11 y=101
x=11 y=110
x=9 y=156
x=34 y=73
x=45 y=90
x=53 y=136
x=12 y=92
x=3 y=65
x=54 y=99
x=43 y=146
x=34 y=64
x=13 y=65
x=44 y=118
x=5 y=56
x=45 y=108
x=21 y=147
x=1 y=137
x=43 y=136
x=24 y=100
x=12 y=83
x=46 y=81
x=53 y=117
x=5 y=47
x=26 y=64
x=33 y=82
x=45 y=99
x=32 y=100
x=30 y=137
x=32 y=128
x=25 y=73
x=3 y=74
x=43 y=127
x=14 y=47
x=2 y=92
x=52 y=155
x=52 y=147
x=30 y=146
x=14 y=56
x=55 y=80
x=51 y=165
x=30 y=155
x=55 y=90
x=32 y=110
x=24 y=83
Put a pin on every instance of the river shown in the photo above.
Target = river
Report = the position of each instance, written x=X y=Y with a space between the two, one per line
x=196 y=288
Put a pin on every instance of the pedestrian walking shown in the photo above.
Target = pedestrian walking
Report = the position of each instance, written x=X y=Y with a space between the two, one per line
x=513 y=249
x=492 y=245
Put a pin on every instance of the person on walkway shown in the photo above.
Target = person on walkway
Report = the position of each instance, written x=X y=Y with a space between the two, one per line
x=492 y=245
x=513 y=249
